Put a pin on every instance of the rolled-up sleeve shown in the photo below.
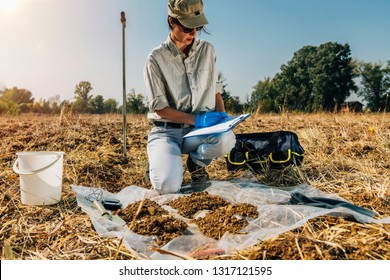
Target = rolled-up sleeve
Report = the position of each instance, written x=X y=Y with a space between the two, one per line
x=219 y=88
x=155 y=85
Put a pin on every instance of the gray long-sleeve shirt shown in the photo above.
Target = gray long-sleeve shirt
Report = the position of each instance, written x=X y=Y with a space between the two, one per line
x=188 y=84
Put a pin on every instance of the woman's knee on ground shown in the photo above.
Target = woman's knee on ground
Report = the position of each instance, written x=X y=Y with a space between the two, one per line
x=168 y=183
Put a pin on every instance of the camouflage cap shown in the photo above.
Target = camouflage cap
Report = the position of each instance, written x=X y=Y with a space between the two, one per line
x=189 y=12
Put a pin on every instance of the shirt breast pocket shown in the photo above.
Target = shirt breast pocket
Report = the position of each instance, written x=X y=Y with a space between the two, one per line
x=204 y=80
x=206 y=90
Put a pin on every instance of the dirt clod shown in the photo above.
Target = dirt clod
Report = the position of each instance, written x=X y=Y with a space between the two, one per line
x=188 y=206
x=152 y=219
x=164 y=228
x=229 y=218
x=148 y=208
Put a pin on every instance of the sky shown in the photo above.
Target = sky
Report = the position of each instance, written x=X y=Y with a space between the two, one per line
x=49 y=46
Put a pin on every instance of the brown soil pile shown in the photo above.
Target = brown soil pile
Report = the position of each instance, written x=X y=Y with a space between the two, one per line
x=223 y=216
x=164 y=228
x=146 y=217
x=229 y=218
x=148 y=208
x=188 y=206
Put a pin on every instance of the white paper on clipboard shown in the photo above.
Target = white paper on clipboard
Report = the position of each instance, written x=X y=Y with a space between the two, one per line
x=227 y=124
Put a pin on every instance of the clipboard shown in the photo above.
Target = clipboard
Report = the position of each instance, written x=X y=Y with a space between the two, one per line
x=227 y=124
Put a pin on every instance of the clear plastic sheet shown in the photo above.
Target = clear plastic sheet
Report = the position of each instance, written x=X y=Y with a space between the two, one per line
x=275 y=216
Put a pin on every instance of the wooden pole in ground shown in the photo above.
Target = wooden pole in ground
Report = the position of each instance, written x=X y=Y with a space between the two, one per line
x=123 y=21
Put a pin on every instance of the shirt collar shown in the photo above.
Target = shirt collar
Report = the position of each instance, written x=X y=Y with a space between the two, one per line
x=174 y=50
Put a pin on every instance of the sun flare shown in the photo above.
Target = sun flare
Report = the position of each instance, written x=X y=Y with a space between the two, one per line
x=7 y=6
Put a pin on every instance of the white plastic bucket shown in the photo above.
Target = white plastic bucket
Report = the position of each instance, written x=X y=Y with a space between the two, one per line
x=40 y=177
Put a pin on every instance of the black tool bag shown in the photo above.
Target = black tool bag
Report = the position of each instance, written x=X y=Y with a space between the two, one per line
x=265 y=150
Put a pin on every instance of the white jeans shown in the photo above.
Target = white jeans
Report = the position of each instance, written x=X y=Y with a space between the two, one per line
x=166 y=146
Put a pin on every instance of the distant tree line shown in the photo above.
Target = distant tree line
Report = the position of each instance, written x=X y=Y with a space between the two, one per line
x=316 y=79
x=14 y=101
x=321 y=79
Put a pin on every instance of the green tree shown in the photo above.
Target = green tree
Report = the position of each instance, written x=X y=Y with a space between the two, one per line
x=110 y=106
x=14 y=101
x=55 y=104
x=294 y=83
x=50 y=106
x=97 y=104
x=262 y=97
x=83 y=97
x=232 y=103
x=45 y=105
x=332 y=76
x=18 y=96
x=375 y=80
x=225 y=94
x=135 y=103
x=315 y=79
x=37 y=107
x=8 y=107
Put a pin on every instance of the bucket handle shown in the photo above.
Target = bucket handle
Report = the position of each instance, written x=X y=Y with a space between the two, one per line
x=22 y=172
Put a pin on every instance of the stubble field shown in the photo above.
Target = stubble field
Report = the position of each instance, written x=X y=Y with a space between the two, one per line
x=346 y=154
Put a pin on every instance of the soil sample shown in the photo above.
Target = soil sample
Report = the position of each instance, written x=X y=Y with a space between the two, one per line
x=229 y=218
x=188 y=206
x=146 y=217
x=223 y=216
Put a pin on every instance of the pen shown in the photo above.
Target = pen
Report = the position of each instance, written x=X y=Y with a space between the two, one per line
x=236 y=121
